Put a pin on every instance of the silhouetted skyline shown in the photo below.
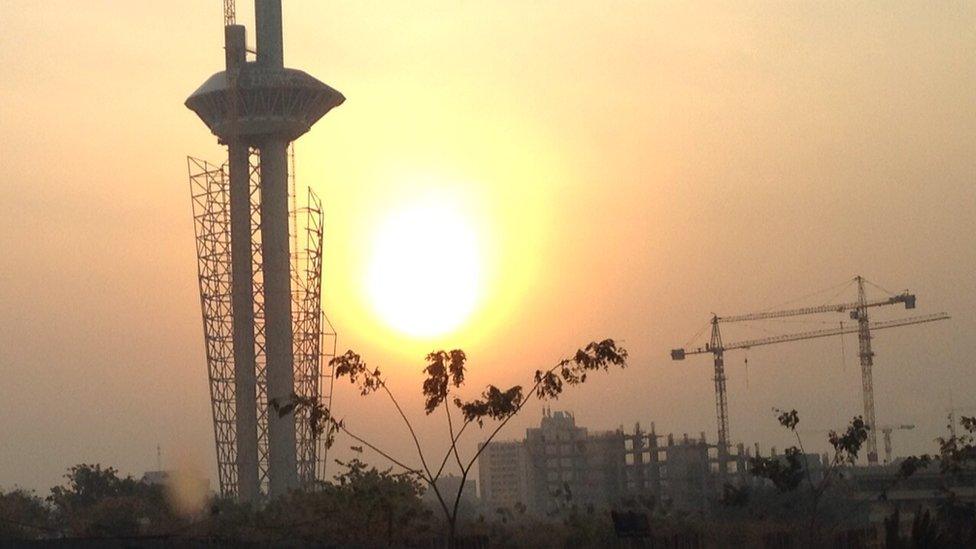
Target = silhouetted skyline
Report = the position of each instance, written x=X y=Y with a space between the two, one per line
x=624 y=170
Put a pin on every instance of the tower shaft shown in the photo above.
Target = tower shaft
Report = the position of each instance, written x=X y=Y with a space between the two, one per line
x=242 y=276
x=245 y=381
x=282 y=457
x=276 y=257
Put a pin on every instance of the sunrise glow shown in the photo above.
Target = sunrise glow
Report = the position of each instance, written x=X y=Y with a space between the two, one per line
x=424 y=275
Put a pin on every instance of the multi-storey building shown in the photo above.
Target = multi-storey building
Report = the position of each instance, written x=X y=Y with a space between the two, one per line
x=567 y=465
x=503 y=475
x=560 y=464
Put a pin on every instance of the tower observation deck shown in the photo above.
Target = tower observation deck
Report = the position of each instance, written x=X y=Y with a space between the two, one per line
x=262 y=315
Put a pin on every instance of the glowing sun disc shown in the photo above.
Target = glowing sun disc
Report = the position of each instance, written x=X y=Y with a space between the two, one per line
x=423 y=277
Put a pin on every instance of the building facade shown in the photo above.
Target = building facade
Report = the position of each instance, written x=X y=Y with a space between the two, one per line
x=567 y=465
x=561 y=464
x=503 y=475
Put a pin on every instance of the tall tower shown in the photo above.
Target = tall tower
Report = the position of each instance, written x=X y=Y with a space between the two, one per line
x=262 y=317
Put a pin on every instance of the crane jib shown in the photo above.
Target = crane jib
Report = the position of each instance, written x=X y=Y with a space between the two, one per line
x=906 y=298
x=679 y=354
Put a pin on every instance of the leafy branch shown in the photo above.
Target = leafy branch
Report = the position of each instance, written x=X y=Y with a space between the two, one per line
x=787 y=473
x=444 y=373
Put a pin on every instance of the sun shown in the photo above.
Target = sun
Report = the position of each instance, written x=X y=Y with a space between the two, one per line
x=424 y=277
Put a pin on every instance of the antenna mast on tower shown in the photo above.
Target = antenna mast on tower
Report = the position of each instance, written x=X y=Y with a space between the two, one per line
x=230 y=13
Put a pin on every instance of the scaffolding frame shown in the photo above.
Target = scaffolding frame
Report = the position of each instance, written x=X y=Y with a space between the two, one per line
x=328 y=349
x=307 y=327
x=210 y=198
x=260 y=354
x=314 y=337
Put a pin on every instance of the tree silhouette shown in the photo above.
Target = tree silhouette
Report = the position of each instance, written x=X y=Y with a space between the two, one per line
x=444 y=373
x=97 y=502
x=955 y=522
x=23 y=516
x=364 y=507
x=787 y=474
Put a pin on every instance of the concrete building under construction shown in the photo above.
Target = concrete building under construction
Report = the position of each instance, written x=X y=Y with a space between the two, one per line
x=260 y=272
x=562 y=464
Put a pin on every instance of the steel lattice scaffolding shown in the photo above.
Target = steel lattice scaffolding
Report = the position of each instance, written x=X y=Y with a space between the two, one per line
x=307 y=316
x=211 y=222
x=327 y=349
x=314 y=340
x=260 y=355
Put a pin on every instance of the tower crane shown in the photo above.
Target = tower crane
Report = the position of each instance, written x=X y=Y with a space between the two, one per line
x=858 y=311
x=886 y=431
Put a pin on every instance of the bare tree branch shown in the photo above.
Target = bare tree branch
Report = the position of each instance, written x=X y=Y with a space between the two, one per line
x=450 y=428
x=454 y=440
x=380 y=452
x=430 y=479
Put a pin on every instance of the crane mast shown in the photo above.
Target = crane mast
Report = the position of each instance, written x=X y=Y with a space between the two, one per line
x=721 y=403
x=858 y=311
x=886 y=431
x=867 y=363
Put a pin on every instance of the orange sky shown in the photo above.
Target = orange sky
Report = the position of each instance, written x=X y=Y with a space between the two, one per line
x=631 y=166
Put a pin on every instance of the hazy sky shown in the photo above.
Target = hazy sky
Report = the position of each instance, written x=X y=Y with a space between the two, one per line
x=627 y=168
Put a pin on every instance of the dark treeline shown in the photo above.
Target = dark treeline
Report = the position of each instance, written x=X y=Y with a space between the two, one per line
x=369 y=507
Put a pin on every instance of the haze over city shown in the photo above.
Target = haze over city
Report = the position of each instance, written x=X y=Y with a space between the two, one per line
x=601 y=170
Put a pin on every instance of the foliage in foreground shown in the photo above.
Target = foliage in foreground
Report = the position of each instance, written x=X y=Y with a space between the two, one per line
x=951 y=524
x=93 y=503
x=96 y=502
x=444 y=374
x=23 y=515
x=365 y=506
x=369 y=507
